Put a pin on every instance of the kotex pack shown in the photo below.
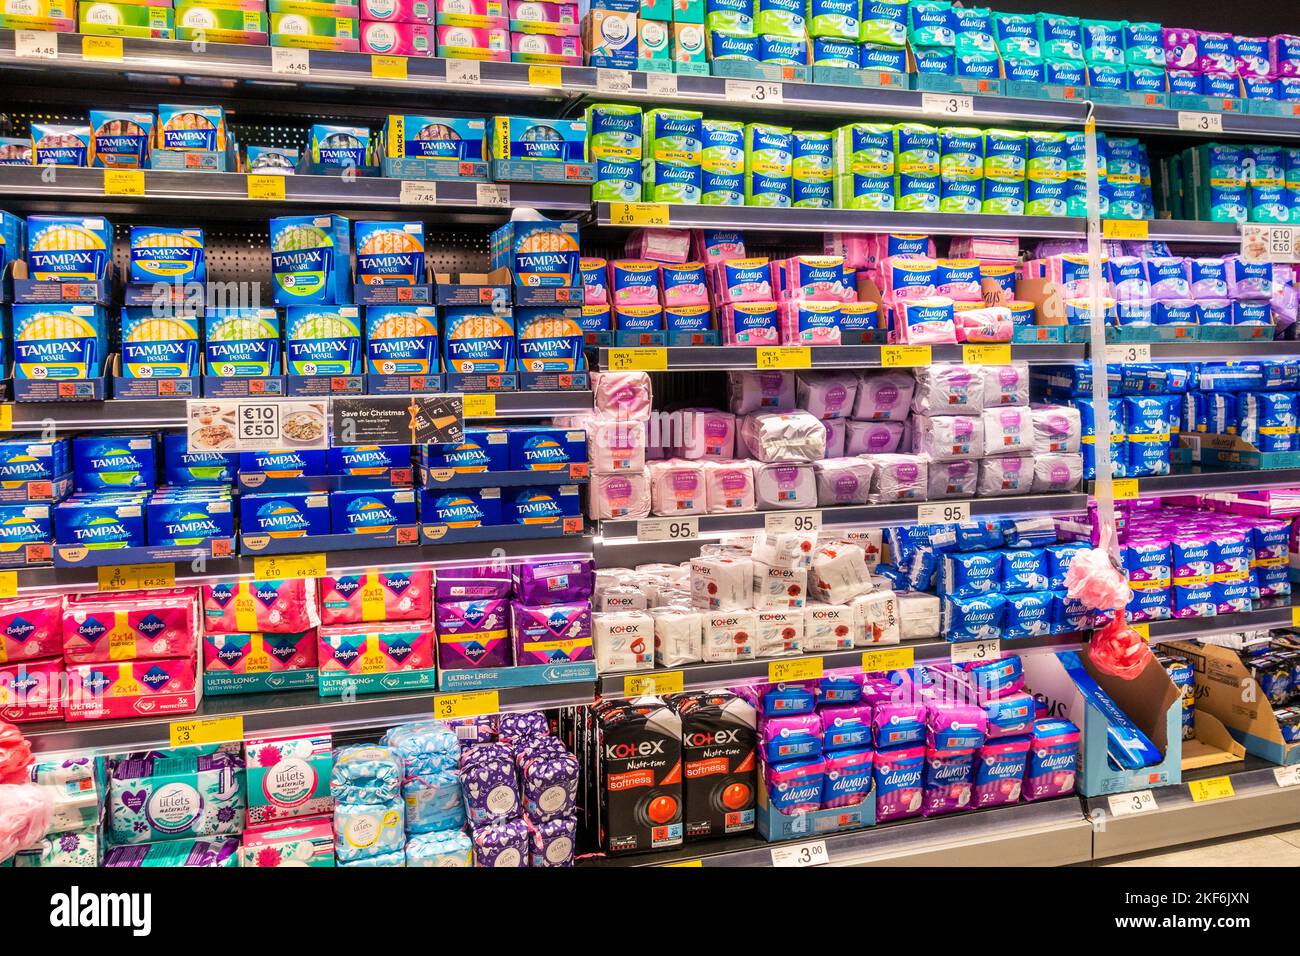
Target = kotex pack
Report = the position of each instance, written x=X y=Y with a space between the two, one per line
x=721 y=582
x=828 y=627
x=786 y=549
x=898 y=781
x=839 y=573
x=729 y=635
x=876 y=618
x=779 y=632
x=777 y=588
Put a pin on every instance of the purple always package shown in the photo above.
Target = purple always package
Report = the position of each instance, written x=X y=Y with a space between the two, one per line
x=1053 y=757
x=955 y=727
x=551 y=633
x=898 y=780
x=848 y=778
x=999 y=771
x=791 y=737
x=795 y=786
x=554 y=582
x=472 y=633
x=472 y=583
x=894 y=724
x=949 y=780
x=846 y=727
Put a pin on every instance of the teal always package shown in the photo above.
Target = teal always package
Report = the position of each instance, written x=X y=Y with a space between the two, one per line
x=769 y=165
x=1143 y=44
x=241 y=342
x=1024 y=70
x=782 y=18
x=1103 y=41
x=977 y=65
x=931 y=23
x=735 y=16
x=1018 y=35
x=120 y=140
x=322 y=340
x=836 y=19
x=813 y=170
x=722 y=146
x=614 y=132
x=935 y=60
x=732 y=45
x=883 y=22
x=1061 y=37
x=617 y=181
x=974 y=26
x=961 y=169
x=311 y=260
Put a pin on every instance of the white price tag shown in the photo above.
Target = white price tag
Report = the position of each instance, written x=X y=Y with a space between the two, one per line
x=805 y=854
x=667 y=529
x=752 y=91
x=1129 y=352
x=237 y=424
x=464 y=73
x=965 y=652
x=492 y=194
x=661 y=84
x=1287 y=776
x=614 y=81
x=941 y=512
x=1200 y=122
x=36 y=44
x=948 y=104
x=286 y=61
x=1127 y=804
x=804 y=522
x=419 y=193
x=259 y=422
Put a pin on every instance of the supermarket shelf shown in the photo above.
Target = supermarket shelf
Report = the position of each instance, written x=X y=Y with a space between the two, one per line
x=1051 y=833
x=1142 y=120
x=701 y=358
x=289 y=711
x=1214 y=351
x=78 y=188
x=1265 y=615
x=624 y=530
x=704 y=676
x=1178 y=230
x=1258 y=803
x=170 y=413
x=1193 y=482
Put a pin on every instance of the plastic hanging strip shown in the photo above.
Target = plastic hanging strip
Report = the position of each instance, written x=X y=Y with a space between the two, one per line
x=1103 y=489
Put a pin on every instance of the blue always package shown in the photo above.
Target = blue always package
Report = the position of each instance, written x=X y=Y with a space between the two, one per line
x=287 y=515
x=1024 y=569
x=1148 y=432
x=787 y=699
x=461 y=508
x=1059 y=557
x=1127 y=746
x=540 y=506
x=1028 y=615
x=1268 y=419
x=539 y=448
x=311 y=260
x=374 y=511
x=972 y=617
x=973 y=572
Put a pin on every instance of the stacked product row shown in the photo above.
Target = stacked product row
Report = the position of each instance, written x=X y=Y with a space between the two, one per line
x=1229 y=182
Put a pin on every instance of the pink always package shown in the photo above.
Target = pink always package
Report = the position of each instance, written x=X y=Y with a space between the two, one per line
x=377 y=596
x=31 y=690
x=31 y=628
x=398 y=11
x=401 y=39
x=106 y=690
x=121 y=627
x=993 y=324
x=659 y=245
x=634 y=282
x=551 y=633
x=684 y=284
x=750 y=323
x=266 y=607
x=741 y=280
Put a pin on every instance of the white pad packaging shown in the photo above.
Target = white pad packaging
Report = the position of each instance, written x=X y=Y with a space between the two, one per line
x=898 y=478
x=722 y=583
x=785 y=484
x=836 y=434
x=1006 y=476
x=826 y=394
x=616 y=445
x=949 y=390
x=884 y=396
x=677 y=488
x=952 y=479
x=1008 y=430
x=620 y=597
x=707 y=433
x=873 y=438
x=827 y=627
x=843 y=481
x=624 y=641
x=779 y=633
x=839 y=574
x=1056 y=428
x=785 y=549
x=1006 y=385
x=729 y=486
x=949 y=437
x=875 y=618
x=783 y=436
x=729 y=636
x=679 y=636
x=624 y=495
x=918 y=616
x=1057 y=472
x=777 y=588
x=868 y=539
x=624 y=395
x=760 y=391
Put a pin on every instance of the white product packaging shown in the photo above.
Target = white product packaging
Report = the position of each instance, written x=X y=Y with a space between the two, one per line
x=624 y=395
x=783 y=436
x=677 y=488
x=785 y=484
x=884 y=396
x=839 y=574
x=1008 y=430
x=836 y=436
x=1006 y=384
x=624 y=641
x=625 y=495
x=777 y=588
x=760 y=391
x=722 y=583
x=873 y=438
x=875 y=618
x=828 y=627
x=826 y=394
x=729 y=636
x=707 y=433
x=949 y=390
x=779 y=633
x=729 y=486
x=918 y=616
x=620 y=597
x=898 y=478
x=952 y=479
x=869 y=540
x=1057 y=471
x=785 y=549
x=948 y=437
x=679 y=636
x=616 y=445
x=1056 y=428
x=843 y=481
x=1006 y=476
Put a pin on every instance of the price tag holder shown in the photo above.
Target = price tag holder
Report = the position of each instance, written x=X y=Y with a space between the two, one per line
x=209 y=730
x=473 y=703
x=888 y=659
x=418 y=193
x=36 y=45
x=1200 y=122
x=479 y=405
x=1287 y=776
x=660 y=682
x=281 y=567
x=287 y=61
x=266 y=188
x=638 y=214
x=799 y=668
x=614 y=81
x=102 y=48
x=805 y=854
x=1125 y=229
x=943 y=512
x=754 y=91
x=464 y=73
x=904 y=356
x=661 y=84
x=691 y=864
x=1124 y=489
x=1128 y=352
x=124 y=182
x=986 y=354
x=1127 y=804
x=783 y=356
x=387 y=67
x=1295 y=616
x=6 y=416
x=965 y=652
x=638 y=360
x=545 y=76
x=492 y=194
x=667 y=529
x=137 y=577
x=1216 y=788
x=803 y=522
x=1142 y=629
x=8 y=584
x=948 y=104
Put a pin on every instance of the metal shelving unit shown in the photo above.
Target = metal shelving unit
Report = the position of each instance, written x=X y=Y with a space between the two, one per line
x=1192 y=482
x=1266 y=615
x=725 y=357
x=1203 y=351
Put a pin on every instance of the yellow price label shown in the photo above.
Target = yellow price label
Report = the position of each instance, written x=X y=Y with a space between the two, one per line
x=889 y=659
x=210 y=730
x=137 y=577
x=661 y=682
x=6 y=416
x=1142 y=630
x=474 y=703
x=480 y=405
x=638 y=360
x=8 y=584
x=783 y=356
x=1216 y=788
x=1124 y=489
x=266 y=187
x=1295 y=616
x=638 y=214
x=387 y=67
x=1090 y=126
x=1125 y=229
x=545 y=76
x=986 y=354
x=123 y=182
x=900 y=356
x=690 y=863
x=280 y=567
x=102 y=48
x=804 y=668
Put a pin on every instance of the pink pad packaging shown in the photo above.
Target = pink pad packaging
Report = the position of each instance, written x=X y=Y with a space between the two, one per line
x=622 y=395
x=595 y=285
x=822 y=278
x=843 y=481
x=884 y=396
x=785 y=484
x=903 y=278
x=623 y=495
x=131 y=688
x=872 y=438
x=898 y=776
x=729 y=486
x=266 y=607
x=551 y=633
x=468 y=13
x=854 y=248
x=545 y=48
x=959 y=280
x=478 y=43
x=760 y=391
x=927 y=321
x=254 y=653
x=712 y=246
x=473 y=633
x=677 y=488
x=532 y=16
x=836 y=436
x=399 y=39
x=952 y=479
x=741 y=280
x=400 y=11
x=118 y=627
x=993 y=324
x=750 y=323
x=790 y=737
x=809 y=322
x=659 y=245
x=1006 y=385
x=795 y=786
x=377 y=596
x=31 y=690
x=633 y=282
x=707 y=433
x=827 y=394
x=31 y=628
x=684 y=284
x=848 y=778
x=616 y=445
x=999 y=771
